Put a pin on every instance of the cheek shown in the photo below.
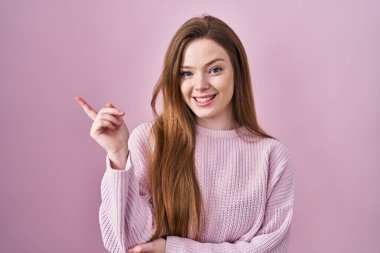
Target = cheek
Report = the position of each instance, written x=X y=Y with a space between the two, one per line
x=185 y=91
x=230 y=86
x=228 y=90
x=231 y=89
x=224 y=85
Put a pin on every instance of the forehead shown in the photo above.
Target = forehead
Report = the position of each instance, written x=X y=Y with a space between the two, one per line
x=200 y=51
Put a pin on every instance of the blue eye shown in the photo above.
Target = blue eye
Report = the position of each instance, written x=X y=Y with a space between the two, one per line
x=215 y=70
x=186 y=74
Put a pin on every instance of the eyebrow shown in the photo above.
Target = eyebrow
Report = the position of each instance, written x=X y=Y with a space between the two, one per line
x=207 y=64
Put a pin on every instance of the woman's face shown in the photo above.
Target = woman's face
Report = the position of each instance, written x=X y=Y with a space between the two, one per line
x=207 y=83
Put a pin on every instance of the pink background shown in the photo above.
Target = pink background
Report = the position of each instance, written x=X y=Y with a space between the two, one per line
x=316 y=72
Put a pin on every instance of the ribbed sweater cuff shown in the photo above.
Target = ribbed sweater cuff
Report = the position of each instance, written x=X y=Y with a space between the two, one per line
x=128 y=164
x=173 y=244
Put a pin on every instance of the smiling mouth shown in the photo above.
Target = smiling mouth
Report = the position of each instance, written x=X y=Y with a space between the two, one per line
x=203 y=100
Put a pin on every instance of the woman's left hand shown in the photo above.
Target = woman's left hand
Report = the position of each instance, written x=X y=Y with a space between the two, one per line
x=155 y=246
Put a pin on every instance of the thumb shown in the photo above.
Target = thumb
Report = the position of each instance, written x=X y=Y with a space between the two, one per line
x=109 y=105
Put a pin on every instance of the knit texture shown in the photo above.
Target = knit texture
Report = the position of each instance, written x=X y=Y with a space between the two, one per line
x=246 y=184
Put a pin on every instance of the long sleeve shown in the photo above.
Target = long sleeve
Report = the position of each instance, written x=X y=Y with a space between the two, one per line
x=272 y=236
x=125 y=214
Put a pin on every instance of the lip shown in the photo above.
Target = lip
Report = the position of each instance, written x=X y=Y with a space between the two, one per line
x=204 y=96
x=206 y=103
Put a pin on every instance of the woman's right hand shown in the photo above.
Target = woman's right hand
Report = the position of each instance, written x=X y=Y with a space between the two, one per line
x=109 y=131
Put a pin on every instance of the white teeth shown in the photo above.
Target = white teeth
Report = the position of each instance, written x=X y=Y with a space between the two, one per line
x=203 y=100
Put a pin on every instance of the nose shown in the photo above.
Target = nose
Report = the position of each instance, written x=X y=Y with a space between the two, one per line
x=201 y=82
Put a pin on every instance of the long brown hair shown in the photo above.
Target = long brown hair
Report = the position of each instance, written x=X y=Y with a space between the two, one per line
x=176 y=196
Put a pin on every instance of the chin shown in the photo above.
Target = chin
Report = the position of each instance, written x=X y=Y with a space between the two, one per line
x=204 y=115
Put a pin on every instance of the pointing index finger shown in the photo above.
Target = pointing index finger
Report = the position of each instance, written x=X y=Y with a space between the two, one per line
x=87 y=108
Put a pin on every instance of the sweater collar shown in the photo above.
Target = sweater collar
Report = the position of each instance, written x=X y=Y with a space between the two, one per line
x=231 y=133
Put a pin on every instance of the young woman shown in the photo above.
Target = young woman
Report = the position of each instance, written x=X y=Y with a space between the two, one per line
x=203 y=176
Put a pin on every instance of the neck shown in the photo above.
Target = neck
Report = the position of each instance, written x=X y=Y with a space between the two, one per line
x=222 y=122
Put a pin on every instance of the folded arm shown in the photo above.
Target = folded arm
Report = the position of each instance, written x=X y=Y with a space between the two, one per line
x=273 y=235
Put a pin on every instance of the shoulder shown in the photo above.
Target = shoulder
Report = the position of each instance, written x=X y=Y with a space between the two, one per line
x=278 y=148
x=266 y=146
x=269 y=146
x=273 y=151
x=279 y=158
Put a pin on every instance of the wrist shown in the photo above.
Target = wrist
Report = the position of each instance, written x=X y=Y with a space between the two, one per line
x=123 y=152
x=118 y=159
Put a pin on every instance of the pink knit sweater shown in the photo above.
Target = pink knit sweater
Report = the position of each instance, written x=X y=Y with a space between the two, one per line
x=247 y=189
